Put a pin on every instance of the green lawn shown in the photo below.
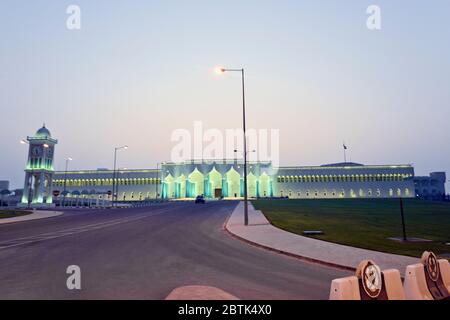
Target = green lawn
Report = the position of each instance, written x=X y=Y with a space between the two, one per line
x=365 y=223
x=12 y=213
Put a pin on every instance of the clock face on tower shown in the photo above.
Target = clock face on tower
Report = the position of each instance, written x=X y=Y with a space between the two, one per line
x=36 y=151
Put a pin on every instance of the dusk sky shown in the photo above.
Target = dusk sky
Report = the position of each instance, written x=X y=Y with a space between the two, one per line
x=138 y=70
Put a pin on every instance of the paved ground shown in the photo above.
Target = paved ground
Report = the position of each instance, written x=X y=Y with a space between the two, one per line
x=145 y=253
x=261 y=232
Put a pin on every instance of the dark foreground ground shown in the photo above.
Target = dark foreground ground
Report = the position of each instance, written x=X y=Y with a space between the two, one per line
x=144 y=253
x=4 y=214
x=366 y=223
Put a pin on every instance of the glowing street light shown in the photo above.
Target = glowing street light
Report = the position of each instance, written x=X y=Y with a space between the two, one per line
x=221 y=70
x=30 y=181
x=115 y=188
x=68 y=159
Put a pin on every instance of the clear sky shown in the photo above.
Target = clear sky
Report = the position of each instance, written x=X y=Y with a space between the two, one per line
x=137 y=70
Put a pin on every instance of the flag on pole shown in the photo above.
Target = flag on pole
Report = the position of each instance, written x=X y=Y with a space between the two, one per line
x=345 y=147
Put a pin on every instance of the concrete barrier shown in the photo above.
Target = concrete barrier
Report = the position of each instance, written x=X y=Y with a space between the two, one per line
x=444 y=265
x=415 y=283
x=422 y=286
x=386 y=285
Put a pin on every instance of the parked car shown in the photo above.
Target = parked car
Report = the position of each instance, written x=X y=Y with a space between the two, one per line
x=200 y=199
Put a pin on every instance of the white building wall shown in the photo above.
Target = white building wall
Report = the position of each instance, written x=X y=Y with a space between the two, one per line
x=333 y=182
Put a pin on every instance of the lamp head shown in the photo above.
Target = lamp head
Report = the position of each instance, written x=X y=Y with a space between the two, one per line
x=219 y=70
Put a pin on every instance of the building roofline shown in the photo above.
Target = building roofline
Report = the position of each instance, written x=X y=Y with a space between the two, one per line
x=399 y=166
x=106 y=171
x=346 y=167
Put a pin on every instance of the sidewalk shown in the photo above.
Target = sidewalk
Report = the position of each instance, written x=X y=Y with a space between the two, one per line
x=34 y=216
x=262 y=233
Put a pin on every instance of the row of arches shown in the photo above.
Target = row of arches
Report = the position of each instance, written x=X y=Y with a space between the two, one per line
x=216 y=185
x=342 y=193
x=105 y=182
x=342 y=178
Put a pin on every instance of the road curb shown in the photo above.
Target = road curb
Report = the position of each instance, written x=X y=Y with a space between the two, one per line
x=289 y=254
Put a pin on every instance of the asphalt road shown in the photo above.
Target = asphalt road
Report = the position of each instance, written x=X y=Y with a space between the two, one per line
x=144 y=253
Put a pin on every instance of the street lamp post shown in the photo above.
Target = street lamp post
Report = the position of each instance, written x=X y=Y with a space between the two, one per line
x=244 y=126
x=30 y=181
x=114 y=187
x=157 y=181
x=65 y=181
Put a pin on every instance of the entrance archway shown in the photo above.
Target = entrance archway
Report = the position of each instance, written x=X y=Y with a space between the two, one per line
x=251 y=185
x=196 y=183
x=181 y=186
x=264 y=185
x=169 y=183
x=233 y=183
x=215 y=184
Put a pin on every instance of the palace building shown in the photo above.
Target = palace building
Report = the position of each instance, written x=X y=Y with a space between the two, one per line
x=216 y=179
x=211 y=178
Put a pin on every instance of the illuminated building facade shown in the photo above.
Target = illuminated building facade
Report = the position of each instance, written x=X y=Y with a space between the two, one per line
x=217 y=179
x=211 y=178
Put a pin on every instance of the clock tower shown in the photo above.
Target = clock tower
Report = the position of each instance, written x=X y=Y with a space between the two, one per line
x=39 y=170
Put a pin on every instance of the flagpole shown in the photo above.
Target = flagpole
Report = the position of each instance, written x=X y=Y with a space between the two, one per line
x=345 y=154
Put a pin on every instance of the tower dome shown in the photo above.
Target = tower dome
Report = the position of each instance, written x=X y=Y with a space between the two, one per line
x=43 y=133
